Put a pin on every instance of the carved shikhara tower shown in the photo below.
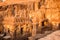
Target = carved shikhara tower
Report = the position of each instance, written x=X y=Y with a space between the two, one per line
x=17 y=14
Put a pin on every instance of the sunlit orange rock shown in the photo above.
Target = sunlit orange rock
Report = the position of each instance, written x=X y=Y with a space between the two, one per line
x=49 y=10
x=52 y=12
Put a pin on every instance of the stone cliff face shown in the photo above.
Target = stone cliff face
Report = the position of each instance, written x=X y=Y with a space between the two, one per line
x=28 y=13
x=52 y=12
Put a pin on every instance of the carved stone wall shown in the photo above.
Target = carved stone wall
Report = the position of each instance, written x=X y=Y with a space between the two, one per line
x=27 y=15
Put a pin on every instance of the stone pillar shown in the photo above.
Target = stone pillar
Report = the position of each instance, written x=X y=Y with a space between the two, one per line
x=16 y=10
x=34 y=30
x=36 y=6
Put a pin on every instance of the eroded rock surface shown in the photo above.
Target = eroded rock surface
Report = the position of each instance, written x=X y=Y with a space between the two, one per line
x=53 y=36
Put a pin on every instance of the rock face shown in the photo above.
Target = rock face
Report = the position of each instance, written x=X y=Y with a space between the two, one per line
x=20 y=14
x=53 y=36
x=52 y=12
